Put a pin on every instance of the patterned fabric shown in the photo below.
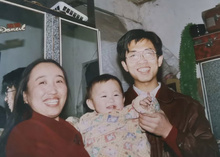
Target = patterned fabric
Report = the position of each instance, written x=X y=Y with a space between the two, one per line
x=116 y=134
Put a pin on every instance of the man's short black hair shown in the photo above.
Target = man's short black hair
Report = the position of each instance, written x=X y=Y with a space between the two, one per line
x=12 y=79
x=137 y=35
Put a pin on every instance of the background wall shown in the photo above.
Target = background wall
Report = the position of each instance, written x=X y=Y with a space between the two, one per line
x=165 y=17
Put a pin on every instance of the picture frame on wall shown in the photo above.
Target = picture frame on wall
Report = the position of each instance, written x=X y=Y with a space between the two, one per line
x=174 y=84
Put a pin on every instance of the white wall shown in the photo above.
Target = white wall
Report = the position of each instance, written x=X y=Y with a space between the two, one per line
x=165 y=17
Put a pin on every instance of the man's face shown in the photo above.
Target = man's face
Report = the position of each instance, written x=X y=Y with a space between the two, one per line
x=9 y=97
x=144 y=67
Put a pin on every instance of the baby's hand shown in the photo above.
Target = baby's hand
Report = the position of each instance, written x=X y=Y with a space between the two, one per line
x=146 y=103
x=143 y=104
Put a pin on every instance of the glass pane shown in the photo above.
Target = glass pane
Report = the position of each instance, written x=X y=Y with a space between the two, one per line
x=211 y=73
x=80 y=61
x=21 y=37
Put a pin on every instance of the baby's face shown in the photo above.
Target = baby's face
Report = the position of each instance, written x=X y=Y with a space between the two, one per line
x=107 y=96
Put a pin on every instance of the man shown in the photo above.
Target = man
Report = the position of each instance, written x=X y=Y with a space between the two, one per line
x=10 y=84
x=181 y=129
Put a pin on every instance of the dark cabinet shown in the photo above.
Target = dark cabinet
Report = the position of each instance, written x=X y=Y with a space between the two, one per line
x=207 y=51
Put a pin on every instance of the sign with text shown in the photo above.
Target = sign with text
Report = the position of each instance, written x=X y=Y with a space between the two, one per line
x=12 y=27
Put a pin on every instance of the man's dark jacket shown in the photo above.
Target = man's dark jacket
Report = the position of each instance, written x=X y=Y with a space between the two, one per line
x=194 y=137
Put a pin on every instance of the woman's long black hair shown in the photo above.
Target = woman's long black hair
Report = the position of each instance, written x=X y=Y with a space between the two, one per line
x=21 y=110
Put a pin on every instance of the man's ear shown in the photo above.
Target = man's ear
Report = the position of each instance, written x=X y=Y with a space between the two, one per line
x=25 y=98
x=89 y=103
x=124 y=65
x=160 y=60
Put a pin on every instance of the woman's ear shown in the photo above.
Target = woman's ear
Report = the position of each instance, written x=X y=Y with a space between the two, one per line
x=90 y=104
x=25 y=98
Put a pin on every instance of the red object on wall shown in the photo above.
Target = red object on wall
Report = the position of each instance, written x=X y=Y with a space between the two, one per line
x=207 y=46
x=211 y=18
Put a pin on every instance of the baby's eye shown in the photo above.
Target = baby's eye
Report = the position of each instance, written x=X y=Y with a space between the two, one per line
x=116 y=95
x=103 y=96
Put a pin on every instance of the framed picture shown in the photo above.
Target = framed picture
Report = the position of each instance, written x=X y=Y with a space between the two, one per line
x=174 y=84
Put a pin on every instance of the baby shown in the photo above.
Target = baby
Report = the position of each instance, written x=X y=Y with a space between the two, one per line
x=112 y=130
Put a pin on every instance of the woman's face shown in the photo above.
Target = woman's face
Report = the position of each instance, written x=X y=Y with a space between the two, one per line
x=46 y=90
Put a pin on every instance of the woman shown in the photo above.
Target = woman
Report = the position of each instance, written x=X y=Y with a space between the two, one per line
x=35 y=128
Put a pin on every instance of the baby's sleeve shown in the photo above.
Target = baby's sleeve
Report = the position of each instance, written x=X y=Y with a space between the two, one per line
x=74 y=121
x=130 y=112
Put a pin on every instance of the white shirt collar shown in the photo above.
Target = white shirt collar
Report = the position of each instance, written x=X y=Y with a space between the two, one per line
x=152 y=93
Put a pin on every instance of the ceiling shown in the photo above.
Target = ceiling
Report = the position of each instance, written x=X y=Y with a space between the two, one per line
x=75 y=3
x=50 y=3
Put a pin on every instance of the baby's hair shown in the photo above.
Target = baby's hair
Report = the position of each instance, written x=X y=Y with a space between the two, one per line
x=100 y=79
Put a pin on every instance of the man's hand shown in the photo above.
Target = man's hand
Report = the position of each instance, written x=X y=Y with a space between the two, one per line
x=156 y=123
